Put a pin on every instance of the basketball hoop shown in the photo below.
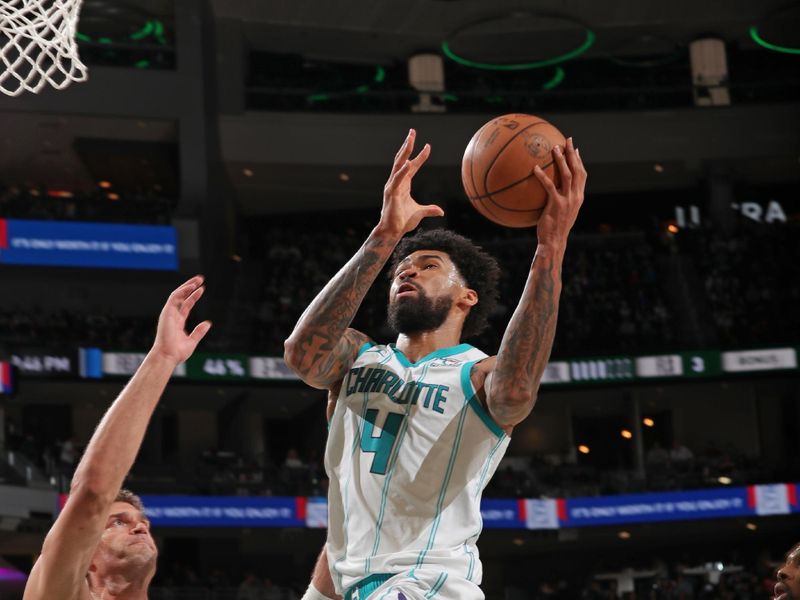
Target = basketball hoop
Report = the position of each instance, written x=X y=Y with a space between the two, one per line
x=37 y=45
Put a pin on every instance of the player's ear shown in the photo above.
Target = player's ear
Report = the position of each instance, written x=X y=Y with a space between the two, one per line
x=469 y=297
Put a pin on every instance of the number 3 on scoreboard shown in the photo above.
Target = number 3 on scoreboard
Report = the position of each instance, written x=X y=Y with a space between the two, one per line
x=383 y=444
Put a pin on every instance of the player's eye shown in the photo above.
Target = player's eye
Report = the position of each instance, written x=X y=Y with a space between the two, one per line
x=430 y=266
x=118 y=522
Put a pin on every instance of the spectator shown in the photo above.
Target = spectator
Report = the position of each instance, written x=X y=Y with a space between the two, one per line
x=680 y=455
x=250 y=588
x=657 y=455
x=271 y=591
x=293 y=460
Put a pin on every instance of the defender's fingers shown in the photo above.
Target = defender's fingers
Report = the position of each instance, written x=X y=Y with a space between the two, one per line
x=199 y=332
x=184 y=290
x=188 y=304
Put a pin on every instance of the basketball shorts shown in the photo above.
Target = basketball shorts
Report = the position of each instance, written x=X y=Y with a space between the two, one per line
x=417 y=584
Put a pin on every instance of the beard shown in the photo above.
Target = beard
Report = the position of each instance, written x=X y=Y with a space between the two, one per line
x=417 y=314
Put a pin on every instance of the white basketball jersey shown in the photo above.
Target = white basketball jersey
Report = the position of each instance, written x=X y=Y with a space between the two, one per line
x=410 y=450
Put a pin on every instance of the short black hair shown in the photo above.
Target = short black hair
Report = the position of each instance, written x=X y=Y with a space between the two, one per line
x=794 y=550
x=478 y=268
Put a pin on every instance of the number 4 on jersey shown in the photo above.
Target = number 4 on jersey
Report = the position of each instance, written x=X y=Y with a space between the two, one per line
x=383 y=444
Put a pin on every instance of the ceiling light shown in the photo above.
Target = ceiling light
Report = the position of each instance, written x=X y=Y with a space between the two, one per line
x=104 y=184
x=344 y=177
x=725 y=480
x=672 y=228
x=626 y=434
x=583 y=449
x=658 y=168
x=648 y=422
x=624 y=535
x=112 y=196
x=247 y=172
x=752 y=526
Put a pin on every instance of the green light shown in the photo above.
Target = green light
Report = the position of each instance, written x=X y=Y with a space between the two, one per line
x=449 y=97
x=555 y=81
x=82 y=37
x=142 y=64
x=104 y=40
x=765 y=44
x=143 y=32
x=159 y=32
x=318 y=97
x=494 y=99
x=380 y=75
x=548 y=62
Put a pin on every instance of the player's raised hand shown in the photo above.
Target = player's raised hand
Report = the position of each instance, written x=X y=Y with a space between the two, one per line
x=563 y=203
x=172 y=341
x=401 y=213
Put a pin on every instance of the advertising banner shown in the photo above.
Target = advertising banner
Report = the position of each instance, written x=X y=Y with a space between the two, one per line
x=39 y=362
x=225 y=511
x=79 y=244
x=503 y=514
x=536 y=514
x=6 y=378
x=651 y=508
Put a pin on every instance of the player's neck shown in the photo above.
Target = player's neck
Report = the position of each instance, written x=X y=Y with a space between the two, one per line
x=419 y=345
x=118 y=587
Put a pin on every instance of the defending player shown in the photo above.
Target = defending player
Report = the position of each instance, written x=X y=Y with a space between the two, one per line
x=788 y=586
x=100 y=545
x=419 y=426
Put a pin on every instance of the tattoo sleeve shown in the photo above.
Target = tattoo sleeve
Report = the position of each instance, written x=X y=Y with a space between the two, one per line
x=321 y=348
x=527 y=342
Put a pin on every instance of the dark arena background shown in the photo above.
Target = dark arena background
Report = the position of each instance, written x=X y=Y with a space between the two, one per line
x=250 y=141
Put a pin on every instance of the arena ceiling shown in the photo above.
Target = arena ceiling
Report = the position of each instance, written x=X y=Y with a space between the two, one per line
x=384 y=32
x=375 y=32
x=369 y=30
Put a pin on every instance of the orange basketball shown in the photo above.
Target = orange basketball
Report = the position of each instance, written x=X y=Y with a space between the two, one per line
x=497 y=168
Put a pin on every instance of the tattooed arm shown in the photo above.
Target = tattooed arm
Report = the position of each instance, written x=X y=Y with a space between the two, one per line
x=322 y=347
x=510 y=381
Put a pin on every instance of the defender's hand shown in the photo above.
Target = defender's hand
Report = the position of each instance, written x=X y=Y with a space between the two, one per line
x=172 y=341
x=563 y=204
x=401 y=213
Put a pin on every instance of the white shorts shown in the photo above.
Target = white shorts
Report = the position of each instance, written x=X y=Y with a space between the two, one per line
x=416 y=584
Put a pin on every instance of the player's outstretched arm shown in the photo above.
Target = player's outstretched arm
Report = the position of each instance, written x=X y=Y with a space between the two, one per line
x=513 y=378
x=322 y=347
x=66 y=554
x=321 y=587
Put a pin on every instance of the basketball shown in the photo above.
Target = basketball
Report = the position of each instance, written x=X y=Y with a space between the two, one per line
x=497 y=168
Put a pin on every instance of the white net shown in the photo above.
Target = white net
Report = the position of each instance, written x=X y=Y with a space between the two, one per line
x=37 y=45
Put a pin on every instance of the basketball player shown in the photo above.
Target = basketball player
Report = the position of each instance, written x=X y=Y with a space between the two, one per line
x=788 y=586
x=100 y=545
x=419 y=426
